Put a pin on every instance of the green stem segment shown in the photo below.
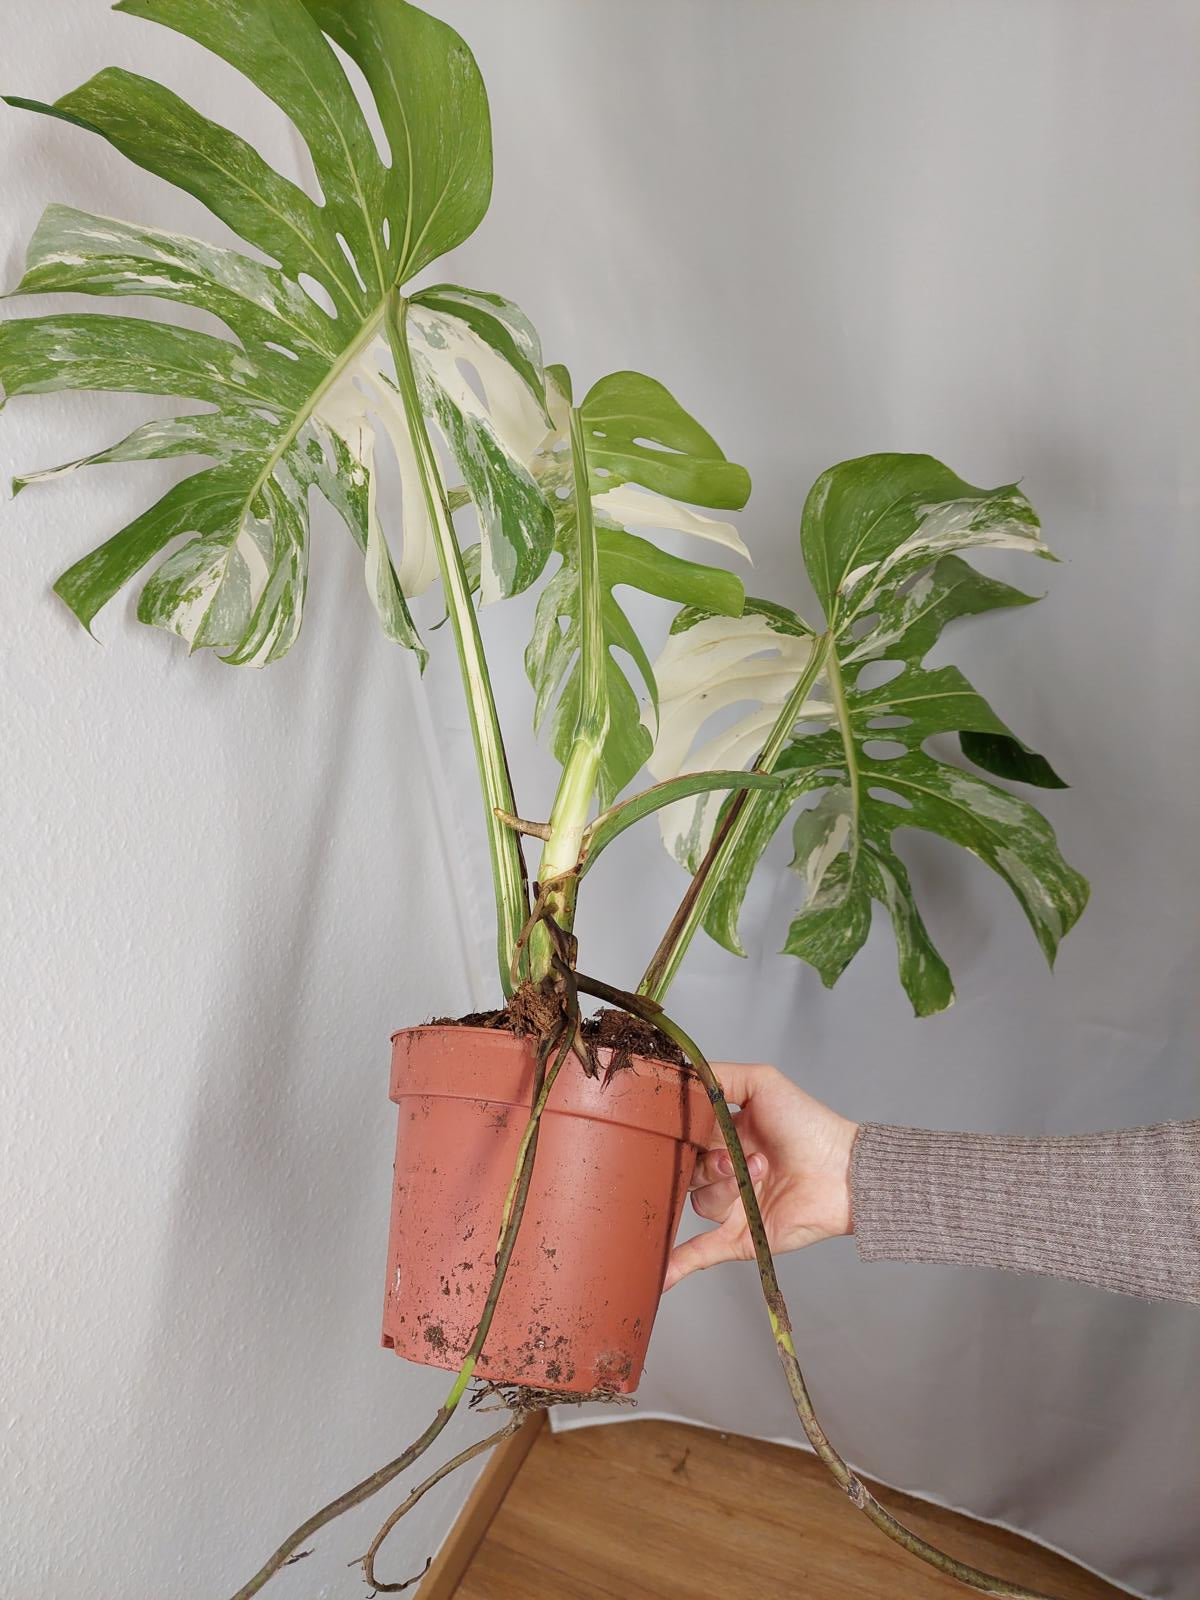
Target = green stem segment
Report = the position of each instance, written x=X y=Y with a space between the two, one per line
x=581 y=773
x=781 y=1327
x=837 y=693
x=693 y=908
x=508 y=866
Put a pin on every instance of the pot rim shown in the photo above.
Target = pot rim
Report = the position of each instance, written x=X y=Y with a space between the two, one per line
x=655 y=1096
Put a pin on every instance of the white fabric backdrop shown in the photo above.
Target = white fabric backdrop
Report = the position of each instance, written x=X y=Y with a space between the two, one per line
x=830 y=228
x=833 y=228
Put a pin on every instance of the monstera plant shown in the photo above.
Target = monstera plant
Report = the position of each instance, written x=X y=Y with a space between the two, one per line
x=326 y=344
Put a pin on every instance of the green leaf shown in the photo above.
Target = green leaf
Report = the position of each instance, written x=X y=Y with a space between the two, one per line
x=637 y=432
x=875 y=536
x=628 y=480
x=1006 y=757
x=909 y=617
x=300 y=384
x=1013 y=838
x=613 y=822
x=872 y=522
x=833 y=927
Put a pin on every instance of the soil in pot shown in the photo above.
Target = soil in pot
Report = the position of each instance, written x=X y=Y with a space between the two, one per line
x=615 y=1157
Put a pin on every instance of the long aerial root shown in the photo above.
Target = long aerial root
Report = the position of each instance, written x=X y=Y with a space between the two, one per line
x=560 y=1044
x=481 y=1447
x=855 y=1489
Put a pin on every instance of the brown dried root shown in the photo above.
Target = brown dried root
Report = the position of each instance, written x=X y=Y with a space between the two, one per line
x=481 y=1447
x=523 y=1400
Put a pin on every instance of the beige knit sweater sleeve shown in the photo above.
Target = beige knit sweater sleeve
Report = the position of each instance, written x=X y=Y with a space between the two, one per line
x=1119 y=1210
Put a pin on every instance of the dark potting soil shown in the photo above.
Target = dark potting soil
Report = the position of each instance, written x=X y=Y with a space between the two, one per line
x=475 y=1019
x=628 y=1036
x=617 y=1031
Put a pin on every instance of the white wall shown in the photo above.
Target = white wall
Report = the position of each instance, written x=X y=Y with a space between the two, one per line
x=221 y=891
x=830 y=228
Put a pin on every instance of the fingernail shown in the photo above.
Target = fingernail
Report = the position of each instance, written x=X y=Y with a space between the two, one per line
x=725 y=1166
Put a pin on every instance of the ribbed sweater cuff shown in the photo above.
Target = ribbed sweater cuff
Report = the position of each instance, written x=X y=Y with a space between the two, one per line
x=1118 y=1210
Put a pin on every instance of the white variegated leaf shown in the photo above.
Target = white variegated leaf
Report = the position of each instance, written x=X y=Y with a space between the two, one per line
x=878 y=537
x=632 y=507
x=492 y=439
x=296 y=391
x=710 y=665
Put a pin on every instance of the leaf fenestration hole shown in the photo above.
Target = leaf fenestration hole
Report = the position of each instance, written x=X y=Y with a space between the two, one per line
x=883 y=749
x=889 y=722
x=863 y=625
x=318 y=293
x=602 y=472
x=599 y=433
x=281 y=349
x=386 y=231
x=361 y=90
x=472 y=379
x=562 y=492
x=876 y=673
x=268 y=416
x=804 y=730
x=889 y=797
x=657 y=444
x=353 y=261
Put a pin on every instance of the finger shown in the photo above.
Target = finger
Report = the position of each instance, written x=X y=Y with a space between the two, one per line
x=739 y=1079
x=716 y=1200
x=716 y=1165
x=705 y=1250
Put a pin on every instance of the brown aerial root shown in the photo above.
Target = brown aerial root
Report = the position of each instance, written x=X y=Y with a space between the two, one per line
x=521 y=1402
x=481 y=1447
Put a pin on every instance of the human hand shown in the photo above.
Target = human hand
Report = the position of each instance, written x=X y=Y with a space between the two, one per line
x=798 y=1152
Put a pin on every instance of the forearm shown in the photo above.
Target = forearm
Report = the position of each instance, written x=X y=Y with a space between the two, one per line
x=1119 y=1210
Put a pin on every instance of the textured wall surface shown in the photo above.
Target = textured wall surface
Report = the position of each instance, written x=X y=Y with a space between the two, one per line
x=830 y=229
x=221 y=891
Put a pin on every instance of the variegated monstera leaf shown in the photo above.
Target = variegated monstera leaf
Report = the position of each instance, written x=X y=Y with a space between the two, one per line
x=292 y=398
x=879 y=536
x=643 y=455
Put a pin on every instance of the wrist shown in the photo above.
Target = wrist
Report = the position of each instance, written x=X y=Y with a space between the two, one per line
x=839 y=1207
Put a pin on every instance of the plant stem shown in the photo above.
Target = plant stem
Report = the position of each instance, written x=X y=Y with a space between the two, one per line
x=693 y=908
x=508 y=865
x=514 y=1209
x=480 y=1447
x=837 y=693
x=581 y=772
x=781 y=1326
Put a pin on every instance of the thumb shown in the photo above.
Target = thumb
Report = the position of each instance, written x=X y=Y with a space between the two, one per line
x=707 y=1249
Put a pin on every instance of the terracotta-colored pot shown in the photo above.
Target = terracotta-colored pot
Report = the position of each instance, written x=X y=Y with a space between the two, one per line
x=612 y=1170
